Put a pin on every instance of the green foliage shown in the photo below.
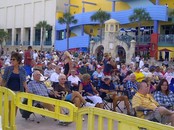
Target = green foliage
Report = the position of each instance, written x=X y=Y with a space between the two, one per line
x=3 y=35
x=100 y=16
x=43 y=24
x=172 y=13
x=139 y=15
x=67 y=19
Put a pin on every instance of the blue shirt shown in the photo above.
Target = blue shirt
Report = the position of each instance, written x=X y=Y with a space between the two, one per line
x=106 y=87
x=38 y=88
x=88 y=88
x=22 y=76
x=14 y=82
x=164 y=100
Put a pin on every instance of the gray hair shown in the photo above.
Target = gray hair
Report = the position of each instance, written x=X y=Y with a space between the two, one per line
x=61 y=76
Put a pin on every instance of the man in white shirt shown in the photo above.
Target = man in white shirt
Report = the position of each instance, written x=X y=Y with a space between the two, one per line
x=141 y=64
x=54 y=76
x=74 y=80
x=48 y=71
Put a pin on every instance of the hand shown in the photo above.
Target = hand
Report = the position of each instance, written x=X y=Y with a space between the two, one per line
x=26 y=90
x=56 y=94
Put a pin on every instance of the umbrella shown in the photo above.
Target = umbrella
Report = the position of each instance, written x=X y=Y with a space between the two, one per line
x=166 y=50
x=122 y=30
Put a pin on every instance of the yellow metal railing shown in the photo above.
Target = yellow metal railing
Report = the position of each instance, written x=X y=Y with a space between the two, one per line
x=7 y=108
x=98 y=119
x=58 y=105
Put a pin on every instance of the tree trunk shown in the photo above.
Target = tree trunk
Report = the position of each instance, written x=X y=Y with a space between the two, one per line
x=101 y=37
x=139 y=35
x=67 y=37
x=41 y=39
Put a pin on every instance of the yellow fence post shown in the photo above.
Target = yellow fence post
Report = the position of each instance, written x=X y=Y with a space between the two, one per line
x=7 y=98
x=124 y=122
x=0 y=123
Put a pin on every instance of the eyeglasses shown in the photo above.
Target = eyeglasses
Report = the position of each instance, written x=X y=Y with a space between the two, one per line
x=13 y=59
x=164 y=85
x=38 y=74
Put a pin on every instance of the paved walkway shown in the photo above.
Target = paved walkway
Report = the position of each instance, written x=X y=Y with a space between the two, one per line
x=50 y=124
x=47 y=123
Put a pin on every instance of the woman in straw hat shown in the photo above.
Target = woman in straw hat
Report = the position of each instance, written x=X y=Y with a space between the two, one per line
x=67 y=63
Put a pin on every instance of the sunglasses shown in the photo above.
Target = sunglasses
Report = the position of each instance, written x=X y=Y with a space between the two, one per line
x=13 y=59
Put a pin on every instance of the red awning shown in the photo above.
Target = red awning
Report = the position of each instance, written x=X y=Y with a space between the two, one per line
x=166 y=50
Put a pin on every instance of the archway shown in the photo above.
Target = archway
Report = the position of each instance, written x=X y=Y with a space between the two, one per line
x=120 y=51
x=99 y=53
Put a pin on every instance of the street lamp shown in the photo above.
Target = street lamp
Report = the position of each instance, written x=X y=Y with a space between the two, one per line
x=70 y=5
x=83 y=10
x=92 y=43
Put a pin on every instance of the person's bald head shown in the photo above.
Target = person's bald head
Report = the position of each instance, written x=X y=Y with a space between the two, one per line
x=132 y=77
x=144 y=88
x=36 y=75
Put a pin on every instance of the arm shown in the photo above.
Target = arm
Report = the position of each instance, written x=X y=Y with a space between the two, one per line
x=95 y=91
x=25 y=86
x=80 y=88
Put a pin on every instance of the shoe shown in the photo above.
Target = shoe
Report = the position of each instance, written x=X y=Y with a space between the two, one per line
x=62 y=123
x=87 y=104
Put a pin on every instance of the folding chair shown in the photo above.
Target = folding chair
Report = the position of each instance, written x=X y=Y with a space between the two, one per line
x=108 y=104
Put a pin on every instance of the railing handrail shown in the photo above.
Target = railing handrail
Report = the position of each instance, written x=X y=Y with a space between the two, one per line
x=125 y=122
x=57 y=104
x=5 y=96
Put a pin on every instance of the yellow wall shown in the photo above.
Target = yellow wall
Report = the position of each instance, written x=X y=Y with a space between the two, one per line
x=171 y=54
x=101 y=4
x=95 y=29
x=163 y=2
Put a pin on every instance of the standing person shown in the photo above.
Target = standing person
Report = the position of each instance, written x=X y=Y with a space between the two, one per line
x=14 y=76
x=28 y=60
x=67 y=63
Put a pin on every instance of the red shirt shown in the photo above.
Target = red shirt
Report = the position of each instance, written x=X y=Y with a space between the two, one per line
x=28 y=58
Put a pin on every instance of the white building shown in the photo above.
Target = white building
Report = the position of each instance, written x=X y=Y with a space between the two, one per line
x=19 y=18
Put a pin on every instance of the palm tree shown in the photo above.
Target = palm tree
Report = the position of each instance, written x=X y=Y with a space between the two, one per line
x=43 y=26
x=171 y=13
x=139 y=15
x=67 y=19
x=100 y=16
x=3 y=36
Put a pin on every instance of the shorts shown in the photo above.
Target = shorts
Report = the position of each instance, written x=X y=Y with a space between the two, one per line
x=156 y=115
x=68 y=97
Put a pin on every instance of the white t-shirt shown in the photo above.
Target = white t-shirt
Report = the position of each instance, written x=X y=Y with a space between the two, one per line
x=54 y=77
x=73 y=79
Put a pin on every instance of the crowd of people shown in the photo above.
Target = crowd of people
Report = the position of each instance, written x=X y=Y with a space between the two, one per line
x=81 y=79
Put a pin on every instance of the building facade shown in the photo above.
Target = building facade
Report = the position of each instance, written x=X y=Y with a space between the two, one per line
x=160 y=26
x=19 y=19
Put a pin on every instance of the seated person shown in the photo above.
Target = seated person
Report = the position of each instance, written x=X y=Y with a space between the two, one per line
x=163 y=95
x=107 y=89
x=48 y=71
x=73 y=96
x=143 y=100
x=90 y=92
x=54 y=76
x=132 y=86
x=98 y=76
x=74 y=80
x=37 y=87
x=139 y=75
